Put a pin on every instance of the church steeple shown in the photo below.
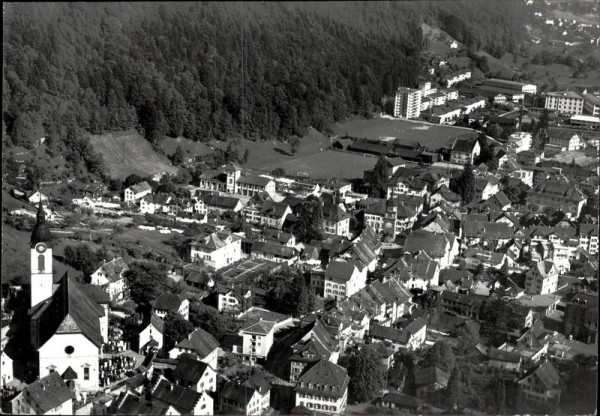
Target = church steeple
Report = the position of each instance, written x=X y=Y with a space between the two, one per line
x=40 y=233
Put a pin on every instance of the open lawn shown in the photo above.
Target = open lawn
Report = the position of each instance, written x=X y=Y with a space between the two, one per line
x=189 y=147
x=328 y=164
x=126 y=153
x=430 y=136
x=150 y=240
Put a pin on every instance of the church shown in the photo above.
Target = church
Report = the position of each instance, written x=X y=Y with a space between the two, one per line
x=68 y=321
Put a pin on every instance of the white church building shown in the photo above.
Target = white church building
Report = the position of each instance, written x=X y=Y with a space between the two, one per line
x=68 y=324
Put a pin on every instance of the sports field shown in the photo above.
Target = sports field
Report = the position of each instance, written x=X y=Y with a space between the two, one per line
x=430 y=136
x=328 y=164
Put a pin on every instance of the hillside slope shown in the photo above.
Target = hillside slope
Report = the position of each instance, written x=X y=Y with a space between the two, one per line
x=127 y=153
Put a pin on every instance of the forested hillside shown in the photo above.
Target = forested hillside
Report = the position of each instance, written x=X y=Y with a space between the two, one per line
x=212 y=70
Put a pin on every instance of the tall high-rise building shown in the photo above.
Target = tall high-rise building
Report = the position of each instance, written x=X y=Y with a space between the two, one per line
x=407 y=103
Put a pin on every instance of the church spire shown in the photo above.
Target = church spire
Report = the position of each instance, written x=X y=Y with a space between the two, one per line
x=40 y=233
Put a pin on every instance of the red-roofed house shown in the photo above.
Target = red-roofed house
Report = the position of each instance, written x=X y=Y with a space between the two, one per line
x=110 y=277
x=216 y=250
x=46 y=396
x=323 y=387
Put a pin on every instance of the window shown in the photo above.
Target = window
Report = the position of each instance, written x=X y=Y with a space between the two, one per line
x=86 y=373
x=41 y=263
x=69 y=350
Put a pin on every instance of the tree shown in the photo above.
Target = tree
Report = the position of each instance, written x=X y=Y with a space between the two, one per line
x=455 y=390
x=498 y=320
x=177 y=157
x=466 y=184
x=231 y=153
x=298 y=297
x=441 y=356
x=246 y=155
x=294 y=144
x=176 y=328
x=309 y=225
x=131 y=180
x=505 y=268
x=210 y=320
x=379 y=179
x=479 y=270
x=278 y=172
x=366 y=375
x=83 y=258
x=146 y=280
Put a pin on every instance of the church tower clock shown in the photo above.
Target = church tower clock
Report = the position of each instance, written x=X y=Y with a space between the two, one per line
x=41 y=260
x=389 y=220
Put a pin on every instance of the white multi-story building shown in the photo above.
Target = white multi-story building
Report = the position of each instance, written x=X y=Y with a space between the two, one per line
x=407 y=103
x=568 y=102
x=542 y=279
x=216 y=250
x=137 y=191
x=520 y=141
x=343 y=279
x=323 y=388
x=591 y=104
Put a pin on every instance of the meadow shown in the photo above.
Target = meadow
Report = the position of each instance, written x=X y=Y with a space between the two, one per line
x=126 y=153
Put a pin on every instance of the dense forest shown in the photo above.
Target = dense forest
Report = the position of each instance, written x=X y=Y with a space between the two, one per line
x=217 y=70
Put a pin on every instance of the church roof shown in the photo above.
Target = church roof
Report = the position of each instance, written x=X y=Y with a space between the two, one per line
x=69 y=310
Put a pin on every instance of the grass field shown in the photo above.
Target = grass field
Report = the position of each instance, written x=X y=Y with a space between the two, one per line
x=150 y=240
x=16 y=257
x=328 y=164
x=430 y=136
x=127 y=153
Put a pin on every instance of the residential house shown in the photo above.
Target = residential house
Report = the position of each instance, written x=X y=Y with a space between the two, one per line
x=445 y=195
x=233 y=298
x=344 y=278
x=151 y=335
x=273 y=214
x=555 y=196
x=400 y=402
x=170 y=302
x=489 y=259
x=221 y=204
x=429 y=380
x=181 y=400
x=489 y=235
x=137 y=192
x=36 y=197
x=439 y=247
x=6 y=368
x=566 y=139
x=485 y=187
x=196 y=375
x=406 y=185
x=323 y=387
x=199 y=343
x=498 y=202
x=588 y=237
x=47 y=396
x=216 y=250
x=468 y=306
x=465 y=151
x=154 y=204
x=418 y=271
x=336 y=220
x=243 y=399
x=409 y=338
x=505 y=360
x=542 y=278
x=273 y=252
x=581 y=317
x=110 y=276
x=540 y=384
